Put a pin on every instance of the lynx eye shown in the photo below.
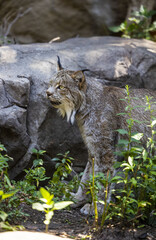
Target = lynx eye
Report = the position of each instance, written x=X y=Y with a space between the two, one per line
x=60 y=87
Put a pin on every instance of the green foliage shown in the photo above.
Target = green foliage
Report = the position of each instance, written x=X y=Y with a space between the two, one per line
x=137 y=200
x=63 y=166
x=3 y=215
x=24 y=190
x=138 y=26
x=13 y=193
x=49 y=206
x=135 y=192
x=36 y=174
x=6 y=188
x=58 y=184
x=4 y=40
x=4 y=159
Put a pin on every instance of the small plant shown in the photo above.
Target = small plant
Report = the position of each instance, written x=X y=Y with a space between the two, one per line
x=5 y=183
x=36 y=173
x=95 y=184
x=135 y=190
x=8 y=197
x=138 y=26
x=59 y=185
x=63 y=166
x=3 y=215
x=137 y=198
x=49 y=206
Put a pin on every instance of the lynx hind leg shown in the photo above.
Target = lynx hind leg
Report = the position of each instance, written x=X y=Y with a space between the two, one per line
x=80 y=197
x=88 y=209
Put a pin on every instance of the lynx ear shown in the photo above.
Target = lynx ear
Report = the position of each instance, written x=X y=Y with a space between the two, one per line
x=79 y=77
x=59 y=66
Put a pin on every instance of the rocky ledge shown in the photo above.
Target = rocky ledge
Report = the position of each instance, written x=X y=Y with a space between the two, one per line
x=27 y=119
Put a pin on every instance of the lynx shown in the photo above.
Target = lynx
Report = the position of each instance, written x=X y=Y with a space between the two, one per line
x=95 y=107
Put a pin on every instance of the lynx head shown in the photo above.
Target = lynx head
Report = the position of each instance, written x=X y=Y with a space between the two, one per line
x=67 y=91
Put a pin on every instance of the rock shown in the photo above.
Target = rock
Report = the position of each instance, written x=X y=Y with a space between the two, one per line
x=14 y=98
x=27 y=119
x=18 y=235
x=42 y=21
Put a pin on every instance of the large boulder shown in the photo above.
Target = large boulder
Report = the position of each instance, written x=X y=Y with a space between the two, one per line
x=41 y=21
x=45 y=20
x=27 y=119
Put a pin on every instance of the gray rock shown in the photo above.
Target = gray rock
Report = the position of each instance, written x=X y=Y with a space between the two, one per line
x=18 y=235
x=27 y=119
x=41 y=21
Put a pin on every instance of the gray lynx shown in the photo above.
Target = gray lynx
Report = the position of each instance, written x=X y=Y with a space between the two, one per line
x=95 y=107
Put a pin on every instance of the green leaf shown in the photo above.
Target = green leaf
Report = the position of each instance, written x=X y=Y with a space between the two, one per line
x=143 y=204
x=41 y=152
x=38 y=206
x=134 y=181
x=122 y=131
x=61 y=205
x=9 y=194
x=55 y=159
x=1 y=192
x=120 y=114
x=137 y=136
x=144 y=154
x=123 y=142
x=2 y=148
x=49 y=206
x=115 y=29
x=3 y=215
x=6 y=226
x=114 y=179
x=130 y=160
x=37 y=162
x=132 y=19
x=8 y=181
x=153 y=173
x=34 y=150
x=153 y=123
x=43 y=200
x=45 y=193
x=101 y=201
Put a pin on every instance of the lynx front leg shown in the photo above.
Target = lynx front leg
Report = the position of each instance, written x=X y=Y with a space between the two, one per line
x=103 y=163
x=80 y=197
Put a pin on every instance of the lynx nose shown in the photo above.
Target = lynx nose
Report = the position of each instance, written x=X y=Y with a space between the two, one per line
x=48 y=93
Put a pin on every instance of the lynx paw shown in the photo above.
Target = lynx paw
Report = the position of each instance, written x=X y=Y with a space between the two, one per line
x=88 y=209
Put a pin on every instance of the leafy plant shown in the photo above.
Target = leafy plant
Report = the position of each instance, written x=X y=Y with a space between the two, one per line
x=135 y=191
x=4 y=159
x=137 y=198
x=49 y=206
x=7 y=189
x=58 y=185
x=24 y=190
x=96 y=184
x=36 y=173
x=3 y=215
x=138 y=26
x=63 y=166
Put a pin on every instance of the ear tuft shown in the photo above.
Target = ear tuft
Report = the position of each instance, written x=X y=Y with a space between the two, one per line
x=59 y=66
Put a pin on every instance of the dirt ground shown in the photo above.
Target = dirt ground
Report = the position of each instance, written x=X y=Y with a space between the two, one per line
x=74 y=225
